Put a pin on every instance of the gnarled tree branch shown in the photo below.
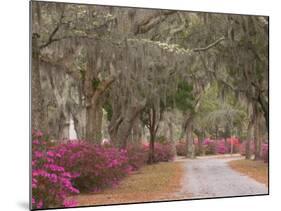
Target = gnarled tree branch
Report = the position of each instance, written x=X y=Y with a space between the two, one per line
x=209 y=46
x=148 y=23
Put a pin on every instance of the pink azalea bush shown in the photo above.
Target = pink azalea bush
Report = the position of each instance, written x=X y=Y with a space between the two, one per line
x=209 y=146
x=181 y=148
x=137 y=155
x=51 y=183
x=242 y=148
x=221 y=147
x=163 y=152
x=98 y=166
x=236 y=144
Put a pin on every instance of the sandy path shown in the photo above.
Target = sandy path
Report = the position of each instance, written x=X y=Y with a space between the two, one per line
x=212 y=177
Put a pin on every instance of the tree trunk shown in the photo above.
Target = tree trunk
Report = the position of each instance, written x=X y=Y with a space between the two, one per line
x=120 y=127
x=79 y=119
x=64 y=124
x=94 y=123
x=226 y=134
x=98 y=124
x=216 y=132
x=38 y=120
x=248 y=141
x=257 y=137
x=94 y=90
x=123 y=132
x=265 y=107
x=200 y=140
x=153 y=127
x=200 y=136
x=189 y=139
x=171 y=132
x=151 y=158
x=171 y=137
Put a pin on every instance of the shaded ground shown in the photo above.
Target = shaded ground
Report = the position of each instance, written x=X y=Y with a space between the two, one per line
x=151 y=183
x=212 y=177
x=257 y=170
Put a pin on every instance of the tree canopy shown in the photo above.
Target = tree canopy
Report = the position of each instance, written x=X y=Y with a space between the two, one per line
x=142 y=66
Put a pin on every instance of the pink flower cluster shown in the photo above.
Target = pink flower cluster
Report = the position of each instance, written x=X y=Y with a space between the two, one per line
x=51 y=184
x=208 y=141
x=163 y=152
x=99 y=166
x=210 y=146
x=242 y=149
x=221 y=147
x=138 y=154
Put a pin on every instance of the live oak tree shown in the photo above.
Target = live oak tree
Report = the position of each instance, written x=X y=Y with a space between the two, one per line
x=139 y=64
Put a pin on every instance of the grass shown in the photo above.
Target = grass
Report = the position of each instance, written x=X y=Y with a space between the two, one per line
x=257 y=170
x=151 y=183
